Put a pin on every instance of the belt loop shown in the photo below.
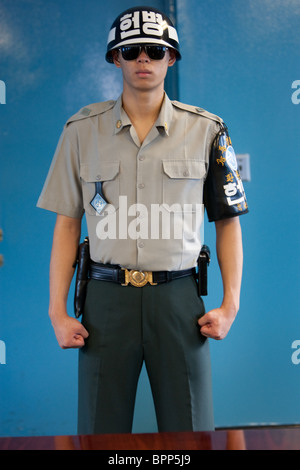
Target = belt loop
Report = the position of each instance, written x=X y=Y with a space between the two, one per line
x=169 y=276
x=117 y=273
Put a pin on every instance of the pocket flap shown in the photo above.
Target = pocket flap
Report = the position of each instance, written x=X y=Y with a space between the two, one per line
x=100 y=171
x=189 y=169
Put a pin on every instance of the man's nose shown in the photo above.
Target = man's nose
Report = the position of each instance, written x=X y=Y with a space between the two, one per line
x=143 y=57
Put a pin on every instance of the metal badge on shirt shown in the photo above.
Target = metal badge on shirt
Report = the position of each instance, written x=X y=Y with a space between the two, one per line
x=98 y=202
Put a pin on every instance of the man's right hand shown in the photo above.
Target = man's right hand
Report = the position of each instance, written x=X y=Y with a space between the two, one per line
x=69 y=332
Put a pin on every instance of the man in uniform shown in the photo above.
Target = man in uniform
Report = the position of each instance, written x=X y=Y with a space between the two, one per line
x=140 y=169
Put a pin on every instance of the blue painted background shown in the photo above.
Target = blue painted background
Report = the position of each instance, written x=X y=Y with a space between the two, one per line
x=241 y=65
x=240 y=59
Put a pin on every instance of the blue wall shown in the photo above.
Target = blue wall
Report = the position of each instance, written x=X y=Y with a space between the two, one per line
x=240 y=59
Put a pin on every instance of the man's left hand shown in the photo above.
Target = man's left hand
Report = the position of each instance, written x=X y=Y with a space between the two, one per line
x=216 y=323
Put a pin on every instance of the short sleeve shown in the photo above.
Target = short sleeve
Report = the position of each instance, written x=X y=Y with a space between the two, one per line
x=62 y=192
x=224 y=194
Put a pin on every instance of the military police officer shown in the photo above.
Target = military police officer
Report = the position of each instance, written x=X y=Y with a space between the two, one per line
x=140 y=168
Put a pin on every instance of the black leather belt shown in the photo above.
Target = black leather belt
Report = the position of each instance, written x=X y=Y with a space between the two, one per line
x=122 y=276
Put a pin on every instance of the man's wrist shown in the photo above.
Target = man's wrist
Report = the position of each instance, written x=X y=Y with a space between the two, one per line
x=231 y=306
x=57 y=311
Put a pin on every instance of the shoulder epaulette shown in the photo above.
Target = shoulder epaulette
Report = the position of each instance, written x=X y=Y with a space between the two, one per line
x=91 y=110
x=199 y=111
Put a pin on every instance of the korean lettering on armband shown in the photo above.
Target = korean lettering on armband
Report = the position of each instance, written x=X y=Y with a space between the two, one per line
x=224 y=194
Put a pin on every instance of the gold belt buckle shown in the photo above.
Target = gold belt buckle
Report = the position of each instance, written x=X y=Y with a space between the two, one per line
x=138 y=278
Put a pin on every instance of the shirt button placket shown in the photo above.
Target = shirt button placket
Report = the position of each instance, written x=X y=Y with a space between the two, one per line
x=140 y=196
x=140 y=177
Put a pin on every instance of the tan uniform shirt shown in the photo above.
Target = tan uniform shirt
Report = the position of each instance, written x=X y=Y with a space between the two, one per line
x=154 y=191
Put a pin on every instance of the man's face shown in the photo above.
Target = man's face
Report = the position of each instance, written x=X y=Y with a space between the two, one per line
x=143 y=73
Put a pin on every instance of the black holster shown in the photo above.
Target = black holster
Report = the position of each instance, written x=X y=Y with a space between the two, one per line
x=201 y=276
x=82 y=276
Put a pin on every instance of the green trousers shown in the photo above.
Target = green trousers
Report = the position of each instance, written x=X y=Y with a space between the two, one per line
x=156 y=325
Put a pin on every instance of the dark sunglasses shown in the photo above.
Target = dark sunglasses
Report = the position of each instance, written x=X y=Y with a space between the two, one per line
x=153 y=52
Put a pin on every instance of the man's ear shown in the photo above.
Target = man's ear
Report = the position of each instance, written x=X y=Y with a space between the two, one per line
x=116 y=58
x=172 y=57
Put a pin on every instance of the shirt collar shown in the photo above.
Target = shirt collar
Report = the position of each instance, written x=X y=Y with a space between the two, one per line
x=120 y=118
x=164 y=119
x=163 y=122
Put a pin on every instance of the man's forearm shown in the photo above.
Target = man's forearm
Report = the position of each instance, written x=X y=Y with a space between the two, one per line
x=70 y=333
x=217 y=322
x=64 y=249
x=230 y=258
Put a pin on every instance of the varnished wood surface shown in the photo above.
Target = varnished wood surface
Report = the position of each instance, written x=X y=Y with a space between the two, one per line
x=247 y=439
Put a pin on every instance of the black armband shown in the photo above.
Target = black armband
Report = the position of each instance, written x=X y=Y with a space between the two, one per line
x=224 y=194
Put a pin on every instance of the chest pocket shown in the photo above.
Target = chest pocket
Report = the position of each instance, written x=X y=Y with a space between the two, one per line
x=106 y=173
x=183 y=184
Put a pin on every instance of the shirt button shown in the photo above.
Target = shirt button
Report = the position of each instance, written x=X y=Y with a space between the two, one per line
x=141 y=244
x=119 y=124
x=141 y=186
x=141 y=158
x=98 y=177
x=186 y=173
